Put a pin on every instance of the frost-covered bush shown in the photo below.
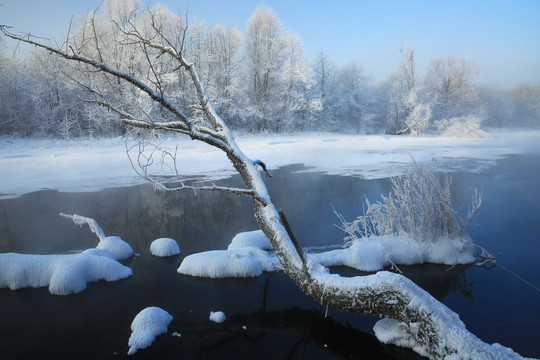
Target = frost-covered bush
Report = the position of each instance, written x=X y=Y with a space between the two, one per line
x=419 y=208
x=462 y=126
x=419 y=114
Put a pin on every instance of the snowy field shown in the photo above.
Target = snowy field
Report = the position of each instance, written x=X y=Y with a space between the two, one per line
x=28 y=165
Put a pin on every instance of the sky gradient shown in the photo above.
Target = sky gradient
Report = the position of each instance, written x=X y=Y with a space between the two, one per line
x=502 y=37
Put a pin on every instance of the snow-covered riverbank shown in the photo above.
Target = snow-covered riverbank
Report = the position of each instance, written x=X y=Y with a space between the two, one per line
x=28 y=165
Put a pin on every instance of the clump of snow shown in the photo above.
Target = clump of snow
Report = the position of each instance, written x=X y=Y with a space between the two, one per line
x=245 y=257
x=217 y=317
x=114 y=245
x=163 y=247
x=147 y=325
x=376 y=252
x=244 y=262
x=63 y=274
x=254 y=238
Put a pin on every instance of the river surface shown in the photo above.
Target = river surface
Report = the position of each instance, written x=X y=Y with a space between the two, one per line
x=267 y=316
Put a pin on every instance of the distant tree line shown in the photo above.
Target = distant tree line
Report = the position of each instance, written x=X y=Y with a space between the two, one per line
x=259 y=81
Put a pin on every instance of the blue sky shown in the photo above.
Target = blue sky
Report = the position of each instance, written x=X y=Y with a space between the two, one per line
x=502 y=37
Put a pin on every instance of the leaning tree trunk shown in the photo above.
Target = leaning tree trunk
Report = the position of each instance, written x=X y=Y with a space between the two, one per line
x=418 y=320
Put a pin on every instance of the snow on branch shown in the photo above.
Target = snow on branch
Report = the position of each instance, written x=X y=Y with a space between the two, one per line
x=81 y=220
x=160 y=186
x=117 y=248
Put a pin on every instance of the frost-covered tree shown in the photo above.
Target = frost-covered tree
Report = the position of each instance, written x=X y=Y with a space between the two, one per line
x=264 y=48
x=296 y=110
x=225 y=46
x=407 y=113
x=525 y=105
x=448 y=81
x=350 y=97
x=415 y=319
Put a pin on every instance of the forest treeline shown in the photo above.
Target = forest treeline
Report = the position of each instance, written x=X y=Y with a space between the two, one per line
x=259 y=81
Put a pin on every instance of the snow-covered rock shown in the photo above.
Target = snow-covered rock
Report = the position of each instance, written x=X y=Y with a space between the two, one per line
x=163 y=247
x=254 y=238
x=116 y=247
x=146 y=326
x=245 y=257
x=63 y=274
x=217 y=316
x=245 y=262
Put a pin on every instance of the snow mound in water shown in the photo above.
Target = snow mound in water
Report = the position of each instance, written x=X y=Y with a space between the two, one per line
x=254 y=238
x=245 y=257
x=217 y=316
x=63 y=274
x=376 y=252
x=245 y=262
x=163 y=247
x=147 y=325
x=116 y=247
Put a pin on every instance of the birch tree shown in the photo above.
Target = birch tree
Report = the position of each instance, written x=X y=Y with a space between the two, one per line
x=414 y=318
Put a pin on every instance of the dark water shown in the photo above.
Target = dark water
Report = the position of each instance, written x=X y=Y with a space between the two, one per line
x=280 y=321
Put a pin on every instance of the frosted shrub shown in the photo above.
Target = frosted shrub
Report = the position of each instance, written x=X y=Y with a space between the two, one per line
x=419 y=207
x=461 y=126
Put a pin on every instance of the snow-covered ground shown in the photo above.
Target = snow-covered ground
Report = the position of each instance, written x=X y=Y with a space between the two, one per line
x=28 y=165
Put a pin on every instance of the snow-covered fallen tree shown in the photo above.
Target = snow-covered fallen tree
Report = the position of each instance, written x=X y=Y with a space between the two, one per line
x=428 y=326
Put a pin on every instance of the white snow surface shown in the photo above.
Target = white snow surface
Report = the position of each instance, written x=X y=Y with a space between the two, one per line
x=85 y=165
x=63 y=274
x=376 y=252
x=217 y=316
x=164 y=247
x=245 y=257
x=147 y=325
x=249 y=255
x=116 y=247
x=244 y=262
x=254 y=238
